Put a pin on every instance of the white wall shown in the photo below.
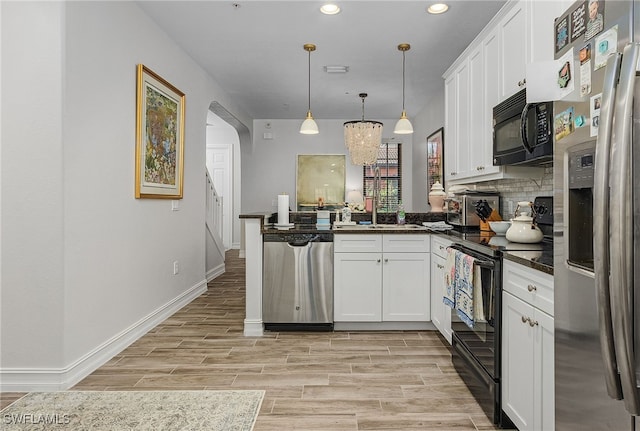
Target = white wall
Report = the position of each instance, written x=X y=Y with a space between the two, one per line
x=32 y=185
x=270 y=168
x=84 y=263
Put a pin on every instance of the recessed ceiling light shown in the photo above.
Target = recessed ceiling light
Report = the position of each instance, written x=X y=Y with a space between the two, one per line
x=330 y=9
x=437 y=8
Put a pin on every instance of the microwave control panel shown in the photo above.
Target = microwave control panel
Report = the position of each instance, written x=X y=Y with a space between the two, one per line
x=543 y=120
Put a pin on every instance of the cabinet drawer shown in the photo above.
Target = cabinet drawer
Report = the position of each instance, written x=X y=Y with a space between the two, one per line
x=439 y=245
x=532 y=286
x=406 y=243
x=357 y=243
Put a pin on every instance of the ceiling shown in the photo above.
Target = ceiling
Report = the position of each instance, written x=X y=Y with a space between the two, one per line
x=254 y=50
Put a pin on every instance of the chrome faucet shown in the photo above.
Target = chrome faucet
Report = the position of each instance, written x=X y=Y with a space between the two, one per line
x=376 y=195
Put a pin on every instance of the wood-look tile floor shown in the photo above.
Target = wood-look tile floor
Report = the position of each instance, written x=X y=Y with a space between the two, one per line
x=399 y=380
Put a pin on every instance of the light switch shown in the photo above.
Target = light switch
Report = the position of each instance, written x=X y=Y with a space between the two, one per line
x=175 y=205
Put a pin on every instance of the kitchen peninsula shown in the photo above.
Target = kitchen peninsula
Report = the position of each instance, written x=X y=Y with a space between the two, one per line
x=257 y=224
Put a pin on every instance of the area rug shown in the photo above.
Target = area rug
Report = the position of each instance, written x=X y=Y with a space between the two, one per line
x=134 y=410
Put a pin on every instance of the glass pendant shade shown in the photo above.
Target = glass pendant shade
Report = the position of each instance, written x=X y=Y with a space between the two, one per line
x=309 y=126
x=403 y=126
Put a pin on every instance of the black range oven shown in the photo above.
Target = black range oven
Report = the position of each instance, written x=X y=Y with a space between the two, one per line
x=477 y=349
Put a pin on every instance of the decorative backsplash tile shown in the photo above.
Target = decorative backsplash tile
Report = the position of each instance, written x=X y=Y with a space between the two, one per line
x=515 y=190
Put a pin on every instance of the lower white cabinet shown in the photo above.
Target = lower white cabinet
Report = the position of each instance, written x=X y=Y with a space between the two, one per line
x=376 y=285
x=440 y=312
x=405 y=287
x=357 y=287
x=527 y=361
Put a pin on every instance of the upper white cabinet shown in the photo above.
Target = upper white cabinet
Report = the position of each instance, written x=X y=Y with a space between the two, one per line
x=514 y=50
x=491 y=69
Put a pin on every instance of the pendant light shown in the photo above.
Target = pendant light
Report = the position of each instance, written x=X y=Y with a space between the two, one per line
x=363 y=138
x=403 y=126
x=309 y=126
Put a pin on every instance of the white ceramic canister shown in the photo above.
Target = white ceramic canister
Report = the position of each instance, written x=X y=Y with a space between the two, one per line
x=436 y=197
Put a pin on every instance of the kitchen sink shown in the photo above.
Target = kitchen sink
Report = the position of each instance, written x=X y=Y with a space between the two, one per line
x=380 y=227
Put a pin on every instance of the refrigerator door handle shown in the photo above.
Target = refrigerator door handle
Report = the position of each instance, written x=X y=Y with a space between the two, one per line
x=601 y=226
x=622 y=234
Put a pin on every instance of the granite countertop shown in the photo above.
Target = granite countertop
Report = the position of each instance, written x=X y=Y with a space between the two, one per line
x=541 y=261
x=305 y=222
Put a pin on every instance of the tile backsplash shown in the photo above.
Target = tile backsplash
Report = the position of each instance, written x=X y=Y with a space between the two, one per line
x=514 y=190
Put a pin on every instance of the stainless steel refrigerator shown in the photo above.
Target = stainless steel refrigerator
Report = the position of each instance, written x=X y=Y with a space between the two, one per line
x=597 y=216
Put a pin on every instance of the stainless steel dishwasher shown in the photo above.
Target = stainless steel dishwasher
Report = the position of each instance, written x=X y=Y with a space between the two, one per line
x=297 y=292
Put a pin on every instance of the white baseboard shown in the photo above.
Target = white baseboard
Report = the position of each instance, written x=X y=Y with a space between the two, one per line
x=59 y=379
x=253 y=328
x=216 y=272
x=384 y=326
x=241 y=254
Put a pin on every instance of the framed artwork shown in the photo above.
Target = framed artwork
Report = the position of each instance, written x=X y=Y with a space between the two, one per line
x=435 y=158
x=159 y=137
x=320 y=182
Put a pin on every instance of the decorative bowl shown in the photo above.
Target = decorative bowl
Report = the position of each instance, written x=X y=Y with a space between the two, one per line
x=500 y=227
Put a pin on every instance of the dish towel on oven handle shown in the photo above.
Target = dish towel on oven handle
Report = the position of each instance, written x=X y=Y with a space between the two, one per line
x=463 y=287
x=449 y=296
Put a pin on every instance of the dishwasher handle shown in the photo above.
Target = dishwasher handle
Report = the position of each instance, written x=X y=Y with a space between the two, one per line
x=302 y=242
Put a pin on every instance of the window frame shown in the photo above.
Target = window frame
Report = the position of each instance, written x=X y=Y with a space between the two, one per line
x=387 y=166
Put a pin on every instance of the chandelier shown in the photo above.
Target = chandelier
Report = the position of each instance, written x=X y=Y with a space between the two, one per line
x=363 y=138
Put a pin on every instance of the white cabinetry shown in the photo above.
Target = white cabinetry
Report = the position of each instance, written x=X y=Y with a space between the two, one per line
x=514 y=50
x=381 y=278
x=527 y=347
x=440 y=312
x=491 y=69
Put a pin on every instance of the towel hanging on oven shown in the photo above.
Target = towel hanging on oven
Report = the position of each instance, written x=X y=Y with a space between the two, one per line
x=463 y=287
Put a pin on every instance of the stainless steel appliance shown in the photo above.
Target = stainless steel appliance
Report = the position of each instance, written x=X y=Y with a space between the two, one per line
x=477 y=351
x=596 y=181
x=522 y=132
x=298 y=281
x=461 y=208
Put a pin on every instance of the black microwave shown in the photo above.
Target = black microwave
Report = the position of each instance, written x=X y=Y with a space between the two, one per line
x=522 y=132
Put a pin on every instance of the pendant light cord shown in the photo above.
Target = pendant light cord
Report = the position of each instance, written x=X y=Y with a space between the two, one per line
x=309 y=81
x=403 y=80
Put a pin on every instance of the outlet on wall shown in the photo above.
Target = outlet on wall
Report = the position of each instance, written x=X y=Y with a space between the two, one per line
x=176 y=268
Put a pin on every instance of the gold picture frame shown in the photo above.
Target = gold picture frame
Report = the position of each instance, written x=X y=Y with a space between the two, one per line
x=159 y=137
x=320 y=181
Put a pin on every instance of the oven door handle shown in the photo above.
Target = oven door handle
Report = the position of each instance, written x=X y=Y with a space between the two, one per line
x=478 y=261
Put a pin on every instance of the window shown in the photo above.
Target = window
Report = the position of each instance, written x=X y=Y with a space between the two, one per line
x=390 y=164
